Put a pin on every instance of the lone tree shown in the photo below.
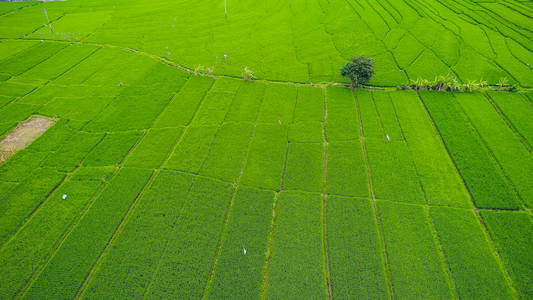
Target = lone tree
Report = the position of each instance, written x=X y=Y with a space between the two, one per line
x=359 y=70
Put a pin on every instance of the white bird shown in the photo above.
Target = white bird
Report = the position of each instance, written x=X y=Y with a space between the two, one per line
x=244 y=250
x=64 y=196
x=388 y=138
x=225 y=56
x=279 y=121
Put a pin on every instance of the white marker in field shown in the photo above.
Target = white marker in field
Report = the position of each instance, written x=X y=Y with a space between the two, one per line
x=46 y=14
x=388 y=138
x=64 y=196
x=244 y=250
x=225 y=9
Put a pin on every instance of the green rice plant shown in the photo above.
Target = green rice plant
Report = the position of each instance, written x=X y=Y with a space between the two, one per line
x=306 y=132
x=28 y=250
x=480 y=172
x=135 y=108
x=247 y=103
x=473 y=265
x=304 y=167
x=186 y=263
x=419 y=67
x=439 y=177
x=512 y=235
x=387 y=116
x=393 y=172
x=180 y=110
x=16 y=112
x=10 y=48
x=296 y=265
x=310 y=104
x=65 y=272
x=94 y=64
x=5 y=187
x=25 y=60
x=227 y=152
x=139 y=67
x=343 y=122
x=154 y=148
x=472 y=66
x=370 y=120
x=515 y=67
x=416 y=269
x=346 y=173
x=518 y=111
x=354 y=254
x=266 y=157
x=53 y=138
x=112 y=149
x=73 y=151
x=21 y=201
x=73 y=26
x=128 y=267
x=447 y=46
x=278 y=104
x=192 y=150
x=247 y=230
x=213 y=109
x=57 y=64
x=5 y=100
x=513 y=157
x=226 y=85
x=13 y=89
x=75 y=108
x=406 y=50
x=21 y=165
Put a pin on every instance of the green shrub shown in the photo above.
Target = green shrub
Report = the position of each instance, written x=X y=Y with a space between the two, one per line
x=247 y=74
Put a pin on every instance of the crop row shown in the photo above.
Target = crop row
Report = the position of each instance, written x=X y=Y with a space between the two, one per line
x=415 y=267
x=479 y=170
x=296 y=265
x=473 y=265
x=184 y=267
x=130 y=263
x=66 y=270
x=27 y=250
x=518 y=111
x=514 y=158
x=239 y=268
x=357 y=269
x=442 y=184
x=512 y=235
x=343 y=122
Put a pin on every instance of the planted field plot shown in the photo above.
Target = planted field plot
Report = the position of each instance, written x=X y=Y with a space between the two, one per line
x=136 y=162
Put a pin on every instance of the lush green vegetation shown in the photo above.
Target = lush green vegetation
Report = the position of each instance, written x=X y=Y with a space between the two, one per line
x=201 y=156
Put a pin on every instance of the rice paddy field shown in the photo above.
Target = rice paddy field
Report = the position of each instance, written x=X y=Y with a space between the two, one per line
x=160 y=173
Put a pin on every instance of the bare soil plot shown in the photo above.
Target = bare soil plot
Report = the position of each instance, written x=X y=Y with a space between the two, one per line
x=23 y=135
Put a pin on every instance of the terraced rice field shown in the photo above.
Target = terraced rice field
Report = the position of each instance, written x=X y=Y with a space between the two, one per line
x=156 y=181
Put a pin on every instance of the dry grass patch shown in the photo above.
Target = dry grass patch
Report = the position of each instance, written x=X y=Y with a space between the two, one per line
x=23 y=135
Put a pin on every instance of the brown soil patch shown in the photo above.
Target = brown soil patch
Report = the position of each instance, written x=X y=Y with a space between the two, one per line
x=23 y=135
